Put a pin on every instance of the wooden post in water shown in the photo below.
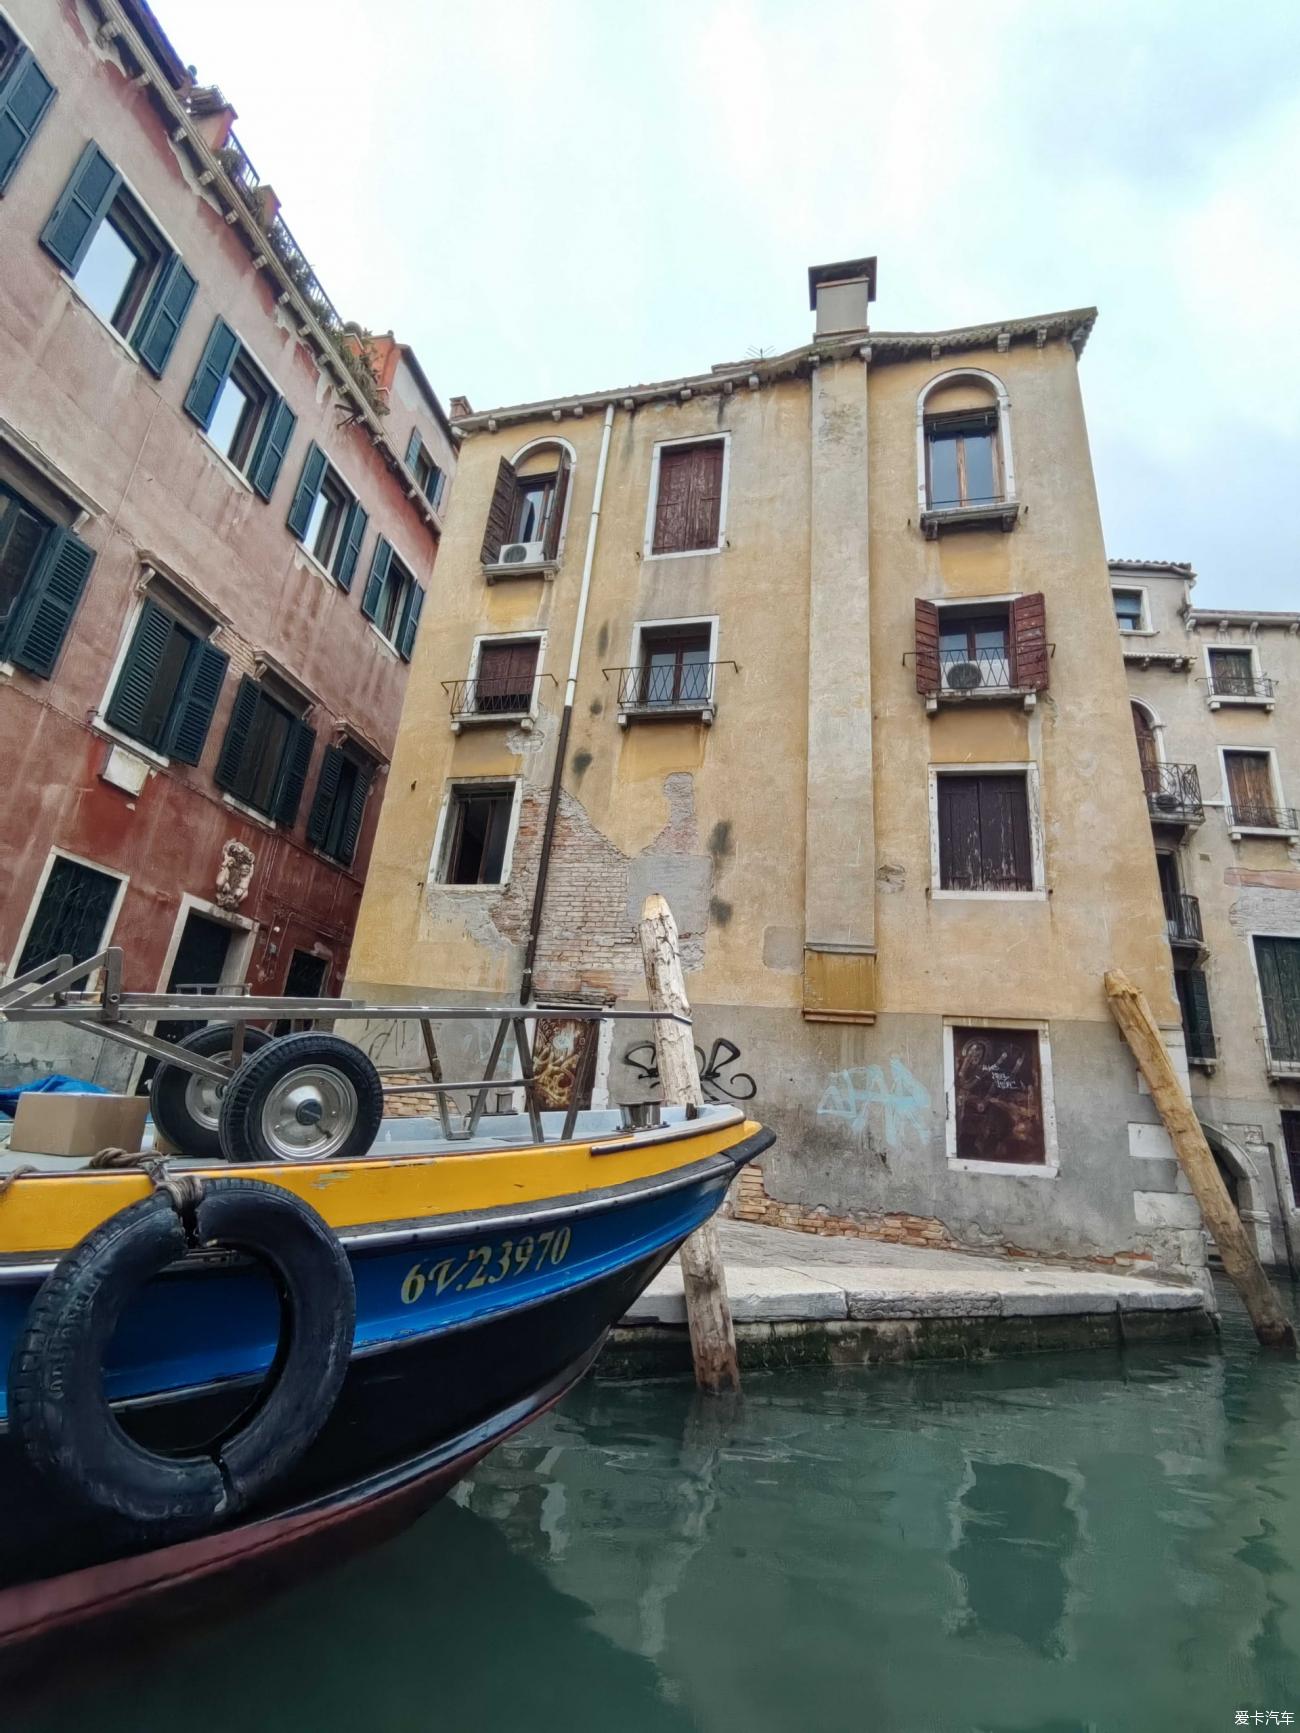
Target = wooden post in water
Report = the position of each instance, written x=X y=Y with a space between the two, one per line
x=1142 y=1033
x=708 y=1313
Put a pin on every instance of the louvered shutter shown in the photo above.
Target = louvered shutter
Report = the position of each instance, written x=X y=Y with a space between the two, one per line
x=140 y=668
x=327 y=788
x=500 y=512
x=672 y=502
x=704 y=496
x=293 y=772
x=410 y=622
x=192 y=716
x=355 y=816
x=277 y=431
x=959 y=833
x=1029 y=643
x=440 y=487
x=1196 y=1006
x=49 y=603
x=928 y=677
x=413 y=448
x=226 y=775
x=81 y=207
x=168 y=305
x=345 y=561
x=24 y=97
x=554 y=524
x=1006 y=863
x=213 y=371
x=380 y=561
x=313 y=473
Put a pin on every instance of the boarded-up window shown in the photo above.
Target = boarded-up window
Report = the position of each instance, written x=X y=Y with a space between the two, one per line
x=984 y=842
x=688 y=505
x=505 y=678
x=1250 y=789
x=998 y=1106
x=1278 y=961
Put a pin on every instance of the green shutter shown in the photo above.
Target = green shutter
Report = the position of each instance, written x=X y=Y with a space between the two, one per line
x=355 y=814
x=81 y=208
x=277 y=431
x=313 y=473
x=293 y=772
x=433 y=487
x=192 y=713
x=157 y=332
x=380 y=561
x=213 y=371
x=413 y=448
x=49 y=601
x=345 y=561
x=140 y=668
x=226 y=775
x=327 y=788
x=24 y=97
x=410 y=621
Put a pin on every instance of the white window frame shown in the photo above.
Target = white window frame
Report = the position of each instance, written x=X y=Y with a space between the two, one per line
x=1280 y=1067
x=1027 y=768
x=952 y=377
x=1051 y=1165
x=1235 y=831
x=110 y=923
x=1146 y=629
x=652 y=504
x=1157 y=726
x=1216 y=700
x=524 y=718
x=635 y=651
x=145 y=591
x=441 y=836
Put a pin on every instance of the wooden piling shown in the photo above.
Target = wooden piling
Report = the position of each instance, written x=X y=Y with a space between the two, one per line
x=708 y=1312
x=1131 y=1011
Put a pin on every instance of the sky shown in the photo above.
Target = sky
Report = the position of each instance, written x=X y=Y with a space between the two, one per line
x=550 y=196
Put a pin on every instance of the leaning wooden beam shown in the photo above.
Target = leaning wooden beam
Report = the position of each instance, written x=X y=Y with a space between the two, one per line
x=1140 y=1030
x=708 y=1313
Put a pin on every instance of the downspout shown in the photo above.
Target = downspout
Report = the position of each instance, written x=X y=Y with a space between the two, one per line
x=566 y=719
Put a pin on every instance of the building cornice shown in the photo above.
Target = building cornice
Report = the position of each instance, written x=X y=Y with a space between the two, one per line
x=1253 y=619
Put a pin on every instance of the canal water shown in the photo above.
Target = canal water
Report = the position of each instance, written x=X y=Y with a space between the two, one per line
x=1037 y=1545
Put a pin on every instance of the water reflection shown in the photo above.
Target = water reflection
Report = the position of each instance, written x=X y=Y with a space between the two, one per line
x=1017 y=1534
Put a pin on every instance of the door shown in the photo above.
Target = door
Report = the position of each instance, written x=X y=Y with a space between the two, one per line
x=1167 y=873
x=199 y=964
x=1147 y=754
x=304 y=979
x=1250 y=788
x=998 y=1095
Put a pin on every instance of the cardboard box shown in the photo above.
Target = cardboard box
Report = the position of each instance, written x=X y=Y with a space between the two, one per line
x=78 y=1124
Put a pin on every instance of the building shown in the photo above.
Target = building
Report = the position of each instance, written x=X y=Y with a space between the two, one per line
x=1216 y=707
x=219 y=512
x=821 y=647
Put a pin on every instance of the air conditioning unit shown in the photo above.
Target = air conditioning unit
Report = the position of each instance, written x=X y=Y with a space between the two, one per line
x=964 y=676
x=522 y=554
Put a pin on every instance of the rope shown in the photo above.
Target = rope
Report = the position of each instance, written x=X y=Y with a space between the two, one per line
x=184 y=1189
x=7 y=1179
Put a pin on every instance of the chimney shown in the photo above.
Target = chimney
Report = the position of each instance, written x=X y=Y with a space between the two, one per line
x=840 y=295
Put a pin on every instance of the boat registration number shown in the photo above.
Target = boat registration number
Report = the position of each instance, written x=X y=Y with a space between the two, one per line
x=484 y=1266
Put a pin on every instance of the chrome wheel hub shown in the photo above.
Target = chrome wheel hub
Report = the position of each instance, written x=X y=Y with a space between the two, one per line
x=309 y=1113
x=203 y=1100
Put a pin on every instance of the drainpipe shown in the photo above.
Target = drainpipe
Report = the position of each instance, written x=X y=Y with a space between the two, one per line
x=566 y=718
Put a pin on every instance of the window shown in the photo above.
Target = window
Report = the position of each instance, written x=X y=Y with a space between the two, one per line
x=1129 y=610
x=73 y=915
x=25 y=95
x=393 y=600
x=428 y=477
x=526 y=517
x=327 y=518
x=265 y=754
x=506 y=676
x=984 y=834
x=339 y=805
x=962 y=461
x=243 y=416
x=1277 y=961
x=687 y=488
x=1291 y=1144
x=118 y=260
x=675 y=666
x=999 y=1113
x=1194 y=1004
x=974 y=649
x=43 y=572
x=1252 y=797
x=1232 y=674
x=478 y=830
x=168 y=685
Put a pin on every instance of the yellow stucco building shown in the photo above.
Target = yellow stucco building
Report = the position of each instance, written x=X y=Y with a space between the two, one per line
x=821 y=647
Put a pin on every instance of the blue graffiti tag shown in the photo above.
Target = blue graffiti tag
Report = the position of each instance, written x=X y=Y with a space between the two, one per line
x=850 y=1095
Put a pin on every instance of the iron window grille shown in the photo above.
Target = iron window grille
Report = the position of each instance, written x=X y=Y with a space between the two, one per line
x=72 y=915
x=1183 y=918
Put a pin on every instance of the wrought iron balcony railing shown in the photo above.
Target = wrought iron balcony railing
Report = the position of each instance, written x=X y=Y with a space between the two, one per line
x=1253 y=815
x=1201 y=1043
x=1233 y=683
x=1183 y=917
x=495 y=697
x=668 y=688
x=1173 y=793
x=980 y=671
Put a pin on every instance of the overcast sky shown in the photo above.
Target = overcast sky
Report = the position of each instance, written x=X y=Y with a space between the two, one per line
x=546 y=196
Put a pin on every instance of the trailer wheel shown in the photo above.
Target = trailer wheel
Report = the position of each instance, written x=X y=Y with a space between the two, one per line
x=302 y=1098
x=186 y=1107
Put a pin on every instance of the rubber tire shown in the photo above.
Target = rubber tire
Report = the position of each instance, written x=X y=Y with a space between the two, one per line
x=242 y=1139
x=167 y=1089
x=57 y=1408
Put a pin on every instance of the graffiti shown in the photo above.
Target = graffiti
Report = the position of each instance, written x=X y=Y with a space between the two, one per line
x=739 y=1086
x=850 y=1096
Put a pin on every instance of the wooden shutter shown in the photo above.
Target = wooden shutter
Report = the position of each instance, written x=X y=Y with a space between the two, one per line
x=192 y=716
x=49 y=602
x=313 y=473
x=81 y=207
x=294 y=762
x=705 y=508
x=380 y=561
x=244 y=709
x=327 y=788
x=1006 y=861
x=412 y=448
x=927 y=647
x=1250 y=788
x=277 y=431
x=1148 y=756
x=1279 y=984
x=165 y=315
x=998 y=1098
x=959 y=833
x=355 y=815
x=24 y=97
x=1198 y=1024
x=213 y=371
x=1029 y=658
x=672 y=502
x=410 y=621
x=140 y=668
x=555 y=522
x=345 y=561
x=500 y=513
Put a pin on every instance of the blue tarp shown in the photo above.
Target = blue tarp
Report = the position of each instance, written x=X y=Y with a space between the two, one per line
x=54 y=1084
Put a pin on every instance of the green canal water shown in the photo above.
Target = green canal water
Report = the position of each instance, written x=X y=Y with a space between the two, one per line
x=1039 y=1545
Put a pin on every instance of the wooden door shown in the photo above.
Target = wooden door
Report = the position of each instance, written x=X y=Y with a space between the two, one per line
x=1146 y=739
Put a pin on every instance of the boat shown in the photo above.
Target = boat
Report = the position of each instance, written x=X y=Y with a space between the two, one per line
x=220 y=1371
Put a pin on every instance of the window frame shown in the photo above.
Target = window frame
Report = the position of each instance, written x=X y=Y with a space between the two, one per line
x=202 y=627
x=363 y=763
x=722 y=435
x=1010 y=501
x=353 y=499
x=409 y=584
x=1277 y=1068
x=270 y=399
x=29 y=920
x=439 y=857
x=1050 y=1166
x=168 y=250
x=1144 y=628
x=49 y=523
x=1216 y=699
x=1236 y=831
x=1038 y=872
x=944 y=428
x=705 y=707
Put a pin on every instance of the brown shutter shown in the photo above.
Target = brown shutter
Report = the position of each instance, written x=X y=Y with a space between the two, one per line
x=1029 y=643
x=959 y=834
x=499 y=513
x=672 y=502
x=1250 y=787
x=1006 y=862
x=705 y=495
x=927 y=647
x=554 y=523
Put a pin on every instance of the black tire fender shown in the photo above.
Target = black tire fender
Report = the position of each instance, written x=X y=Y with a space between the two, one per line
x=57 y=1408
x=170 y=1086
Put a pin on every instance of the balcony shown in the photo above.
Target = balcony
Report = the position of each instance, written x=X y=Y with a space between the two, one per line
x=1173 y=794
x=994 y=513
x=668 y=690
x=1202 y=1047
x=1246 y=817
x=1183 y=919
x=512 y=698
x=1238 y=687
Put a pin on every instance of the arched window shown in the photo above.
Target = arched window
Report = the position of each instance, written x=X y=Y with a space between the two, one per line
x=529 y=510
x=963 y=449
